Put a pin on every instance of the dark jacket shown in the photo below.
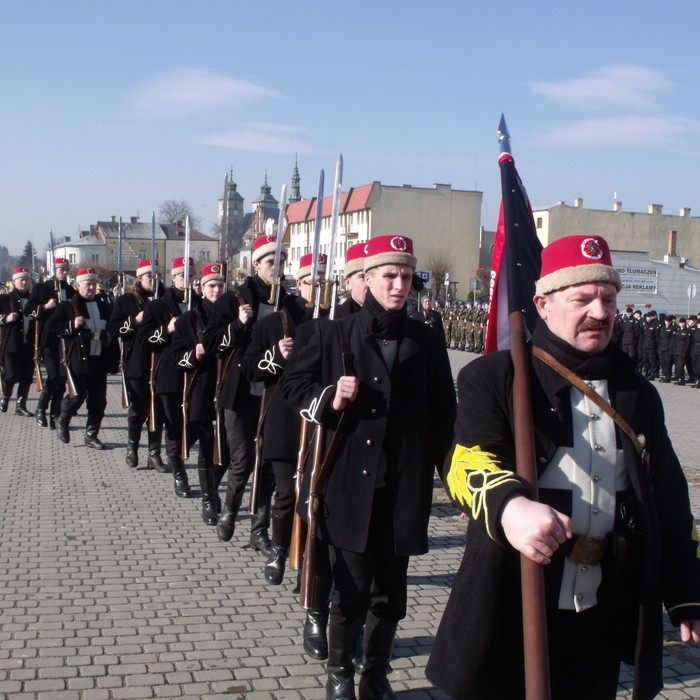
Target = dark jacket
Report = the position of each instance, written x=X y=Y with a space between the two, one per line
x=262 y=362
x=466 y=659
x=123 y=326
x=42 y=293
x=225 y=333
x=179 y=359
x=16 y=336
x=78 y=341
x=400 y=420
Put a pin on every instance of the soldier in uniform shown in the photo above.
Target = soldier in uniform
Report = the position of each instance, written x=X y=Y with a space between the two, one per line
x=127 y=315
x=190 y=358
x=44 y=298
x=374 y=368
x=666 y=348
x=650 y=346
x=628 y=334
x=680 y=348
x=81 y=324
x=228 y=331
x=353 y=281
x=447 y=323
x=153 y=336
x=16 y=342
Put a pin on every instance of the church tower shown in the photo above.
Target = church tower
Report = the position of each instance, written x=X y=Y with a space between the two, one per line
x=295 y=193
x=264 y=207
x=231 y=218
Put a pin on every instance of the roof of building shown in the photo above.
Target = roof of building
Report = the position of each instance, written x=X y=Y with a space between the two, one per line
x=175 y=232
x=130 y=229
x=355 y=199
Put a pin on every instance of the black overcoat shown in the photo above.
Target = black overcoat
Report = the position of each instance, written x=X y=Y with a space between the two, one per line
x=78 y=341
x=482 y=624
x=405 y=417
x=123 y=326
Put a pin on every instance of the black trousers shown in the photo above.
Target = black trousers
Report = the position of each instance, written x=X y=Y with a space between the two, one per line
x=18 y=368
x=374 y=580
x=54 y=381
x=241 y=425
x=666 y=359
x=284 y=499
x=170 y=409
x=92 y=390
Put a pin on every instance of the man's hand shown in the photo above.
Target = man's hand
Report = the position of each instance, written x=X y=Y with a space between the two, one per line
x=11 y=317
x=285 y=345
x=139 y=317
x=245 y=313
x=345 y=391
x=78 y=322
x=50 y=304
x=199 y=351
x=534 y=529
x=171 y=324
x=690 y=630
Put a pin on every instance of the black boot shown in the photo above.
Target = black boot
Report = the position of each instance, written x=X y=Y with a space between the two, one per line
x=52 y=422
x=41 y=405
x=379 y=640
x=315 y=635
x=341 y=673
x=281 y=537
x=211 y=503
x=259 y=523
x=91 y=439
x=62 y=427
x=182 y=485
x=227 y=520
x=132 y=446
x=4 y=401
x=154 y=460
x=21 y=407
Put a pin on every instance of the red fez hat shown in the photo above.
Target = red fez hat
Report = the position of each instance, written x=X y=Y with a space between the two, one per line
x=179 y=266
x=61 y=262
x=389 y=250
x=354 y=259
x=87 y=274
x=215 y=271
x=144 y=267
x=305 y=264
x=21 y=273
x=576 y=260
x=264 y=245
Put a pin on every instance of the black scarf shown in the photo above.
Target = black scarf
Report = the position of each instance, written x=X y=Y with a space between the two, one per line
x=260 y=289
x=386 y=324
x=587 y=366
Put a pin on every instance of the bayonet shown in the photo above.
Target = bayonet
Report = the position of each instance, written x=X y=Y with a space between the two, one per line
x=504 y=136
x=154 y=254
x=120 y=260
x=188 y=291
x=331 y=282
x=278 y=270
x=317 y=242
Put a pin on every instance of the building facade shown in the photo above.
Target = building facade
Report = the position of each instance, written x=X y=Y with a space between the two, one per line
x=445 y=224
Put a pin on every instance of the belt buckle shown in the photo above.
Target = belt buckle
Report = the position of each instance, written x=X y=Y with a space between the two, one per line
x=97 y=335
x=588 y=551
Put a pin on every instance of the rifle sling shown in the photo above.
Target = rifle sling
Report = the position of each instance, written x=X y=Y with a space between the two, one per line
x=637 y=440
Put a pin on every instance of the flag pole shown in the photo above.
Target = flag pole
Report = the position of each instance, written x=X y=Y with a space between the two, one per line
x=536 y=655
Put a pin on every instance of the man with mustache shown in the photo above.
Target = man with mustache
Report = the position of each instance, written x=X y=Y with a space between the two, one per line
x=611 y=524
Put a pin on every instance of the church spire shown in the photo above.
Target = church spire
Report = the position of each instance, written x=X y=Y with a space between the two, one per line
x=295 y=194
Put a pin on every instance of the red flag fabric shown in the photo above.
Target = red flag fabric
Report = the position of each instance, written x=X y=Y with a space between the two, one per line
x=516 y=259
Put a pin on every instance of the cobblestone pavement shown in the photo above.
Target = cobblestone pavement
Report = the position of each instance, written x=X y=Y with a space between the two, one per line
x=112 y=587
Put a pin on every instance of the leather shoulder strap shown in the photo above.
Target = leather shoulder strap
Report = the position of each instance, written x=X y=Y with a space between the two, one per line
x=637 y=440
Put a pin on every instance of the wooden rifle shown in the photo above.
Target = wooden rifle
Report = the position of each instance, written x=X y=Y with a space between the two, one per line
x=320 y=470
x=152 y=402
x=188 y=383
x=122 y=371
x=37 y=356
x=296 y=547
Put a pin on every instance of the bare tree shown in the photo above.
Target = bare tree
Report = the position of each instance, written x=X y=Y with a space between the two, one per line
x=174 y=210
x=439 y=264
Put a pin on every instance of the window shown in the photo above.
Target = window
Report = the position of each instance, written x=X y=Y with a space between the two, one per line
x=71 y=258
x=539 y=222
